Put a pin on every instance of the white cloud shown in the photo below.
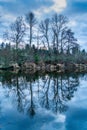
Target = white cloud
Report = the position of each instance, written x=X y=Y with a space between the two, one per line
x=6 y=17
x=9 y=17
x=57 y=6
x=72 y=23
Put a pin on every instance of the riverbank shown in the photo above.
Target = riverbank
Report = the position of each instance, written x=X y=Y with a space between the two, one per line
x=45 y=67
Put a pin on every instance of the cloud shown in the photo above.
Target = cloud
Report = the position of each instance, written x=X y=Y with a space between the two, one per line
x=7 y=0
x=78 y=23
x=75 y=10
x=6 y=16
x=72 y=23
x=57 y=6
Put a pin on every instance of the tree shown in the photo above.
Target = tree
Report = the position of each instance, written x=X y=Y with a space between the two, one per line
x=18 y=29
x=6 y=54
x=58 y=26
x=17 y=33
x=31 y=20
x=76 y=49
x=44 y=29
x=70 y=40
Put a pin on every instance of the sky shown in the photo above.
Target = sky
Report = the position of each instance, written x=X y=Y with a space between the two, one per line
x=74 y=10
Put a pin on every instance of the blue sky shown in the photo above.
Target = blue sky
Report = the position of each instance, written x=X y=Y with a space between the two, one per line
x=75 y=10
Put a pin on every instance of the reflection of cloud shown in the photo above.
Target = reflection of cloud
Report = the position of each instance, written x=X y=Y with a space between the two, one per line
x=60 y=118
x=76 y=119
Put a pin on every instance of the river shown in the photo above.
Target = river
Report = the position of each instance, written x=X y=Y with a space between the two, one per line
x=43 y=101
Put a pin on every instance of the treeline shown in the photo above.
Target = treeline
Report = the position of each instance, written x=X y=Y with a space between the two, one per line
x=50 y=40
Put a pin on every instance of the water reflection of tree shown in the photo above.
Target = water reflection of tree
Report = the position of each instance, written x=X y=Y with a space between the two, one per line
x=31 y=109
x=45 y=97
x=58 y=92
x=50 y=92
x=19 y=95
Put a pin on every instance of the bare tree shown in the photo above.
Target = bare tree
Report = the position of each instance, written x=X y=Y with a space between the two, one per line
x=16 y=34
x=31 y=20
x=58 y=26
x=44 y=29
x=62 y=41
x=18 y=29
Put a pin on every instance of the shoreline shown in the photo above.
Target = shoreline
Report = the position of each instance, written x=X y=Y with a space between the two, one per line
x=44 y=67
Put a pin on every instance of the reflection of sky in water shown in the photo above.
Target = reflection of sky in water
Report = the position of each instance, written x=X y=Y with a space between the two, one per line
x=75 y=118
x=11 y=119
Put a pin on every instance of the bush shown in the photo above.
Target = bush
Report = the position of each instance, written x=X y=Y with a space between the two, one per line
x=36 y=59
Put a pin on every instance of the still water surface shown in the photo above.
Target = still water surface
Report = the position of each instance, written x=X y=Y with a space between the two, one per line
x=43 y=102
